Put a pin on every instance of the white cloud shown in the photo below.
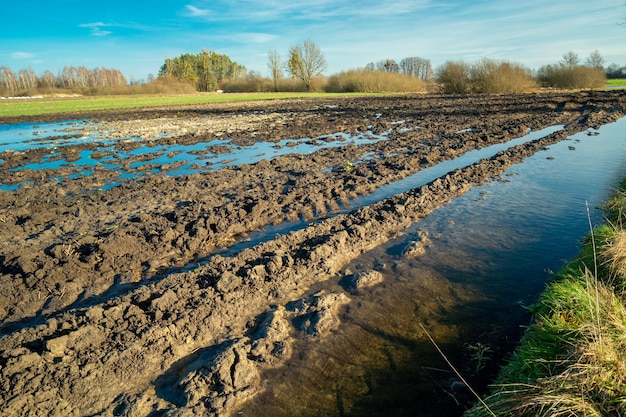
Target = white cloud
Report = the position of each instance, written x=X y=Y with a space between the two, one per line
x=22 y=55
x=96 y=28
x=252 y=37
x=194 y=11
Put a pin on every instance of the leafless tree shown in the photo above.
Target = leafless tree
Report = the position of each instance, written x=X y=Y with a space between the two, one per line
x=47 y=79
x=275 y=66
x=417 y=67
x=595 y=60
x=570 y=59
x=306 y=61
x=388 y=65
x=8 y=79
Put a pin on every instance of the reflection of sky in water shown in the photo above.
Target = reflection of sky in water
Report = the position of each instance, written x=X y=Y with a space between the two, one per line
x=506 y=235
x=23 y=136
x=197 y=155
x=429 y=174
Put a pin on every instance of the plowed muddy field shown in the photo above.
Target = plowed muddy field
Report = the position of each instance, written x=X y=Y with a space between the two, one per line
x=143 y=267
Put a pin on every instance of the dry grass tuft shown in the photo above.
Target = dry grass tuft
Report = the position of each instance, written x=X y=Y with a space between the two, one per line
x=614 y=256
x=572 y=361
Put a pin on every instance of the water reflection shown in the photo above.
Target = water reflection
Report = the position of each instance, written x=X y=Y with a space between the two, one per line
x=150 y=156
x=490 y=253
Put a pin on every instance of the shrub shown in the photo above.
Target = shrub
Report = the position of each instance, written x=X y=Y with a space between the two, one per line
x=162 y=85
x=501 y=77
x=265 y=85
x=249 y=84
x=487 y=76
x=454 y=77
x=571 y=77
x=368 y=81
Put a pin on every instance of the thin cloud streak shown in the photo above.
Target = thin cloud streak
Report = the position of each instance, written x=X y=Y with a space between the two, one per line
x=22 y=55
x=96 y=28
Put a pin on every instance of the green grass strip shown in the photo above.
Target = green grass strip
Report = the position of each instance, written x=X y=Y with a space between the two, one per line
x=616 y=82
x=33 y=107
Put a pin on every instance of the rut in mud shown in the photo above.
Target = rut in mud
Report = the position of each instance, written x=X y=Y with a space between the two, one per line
x=96 y=314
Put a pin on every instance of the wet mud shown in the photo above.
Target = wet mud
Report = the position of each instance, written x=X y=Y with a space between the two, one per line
x=115 y=297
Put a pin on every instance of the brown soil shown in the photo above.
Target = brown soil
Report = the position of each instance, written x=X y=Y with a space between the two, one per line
x=100 y=310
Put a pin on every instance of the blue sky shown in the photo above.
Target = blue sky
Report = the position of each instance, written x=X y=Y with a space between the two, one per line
x=135 y=37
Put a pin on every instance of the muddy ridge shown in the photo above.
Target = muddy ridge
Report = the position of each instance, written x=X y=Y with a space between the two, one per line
x=117 y=301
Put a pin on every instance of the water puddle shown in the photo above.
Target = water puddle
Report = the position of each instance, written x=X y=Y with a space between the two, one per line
x=134 y=161
x=488 y=254
x=22 y=136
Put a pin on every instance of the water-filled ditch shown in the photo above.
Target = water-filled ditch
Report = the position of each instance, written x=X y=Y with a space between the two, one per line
x=488 y=254
x=420 y=178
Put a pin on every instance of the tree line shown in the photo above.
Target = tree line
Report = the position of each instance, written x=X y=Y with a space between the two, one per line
x=305 y=63
x=69 y=77
x=414 y=66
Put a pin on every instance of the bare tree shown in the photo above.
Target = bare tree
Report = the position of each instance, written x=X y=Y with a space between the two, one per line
x=8 y=79
x=47 y=80
x=275 y=65
x=388 y=65
x=306 y=61
x=570 y=59
x=417 y=67
x=595 y=60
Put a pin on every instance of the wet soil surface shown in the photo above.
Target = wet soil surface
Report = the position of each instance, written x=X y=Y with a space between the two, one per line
x=117 y=301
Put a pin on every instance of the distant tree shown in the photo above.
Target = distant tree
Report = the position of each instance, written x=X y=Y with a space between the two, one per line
x=27 y=79
x=388 y=65
x=570 y=59
x=205 y=70
x=417 y=67
x=595 y=60
x=306 y=61
x=275 y=66
x=615 y=71
x=8 y=79
x=370 y=67
x=47 y=79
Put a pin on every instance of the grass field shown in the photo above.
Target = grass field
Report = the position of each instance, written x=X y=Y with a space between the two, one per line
x=617 y=82
x=36 y=106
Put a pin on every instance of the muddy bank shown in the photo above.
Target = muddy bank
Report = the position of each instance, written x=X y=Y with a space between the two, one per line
x=95 y=315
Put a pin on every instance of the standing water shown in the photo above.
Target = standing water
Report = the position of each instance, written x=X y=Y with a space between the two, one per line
x=489 y=254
